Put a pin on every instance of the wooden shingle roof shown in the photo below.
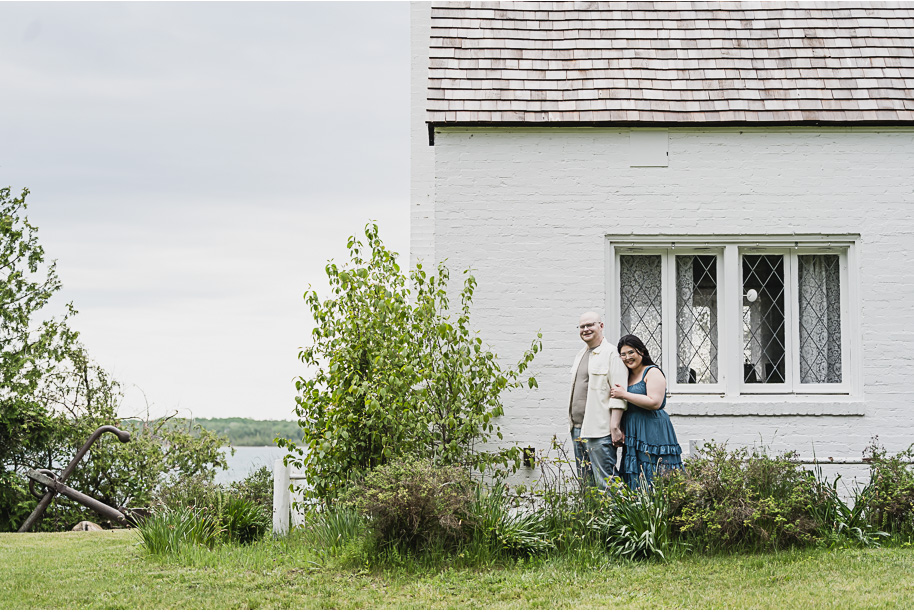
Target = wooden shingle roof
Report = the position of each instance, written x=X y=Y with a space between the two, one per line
x=671 y=62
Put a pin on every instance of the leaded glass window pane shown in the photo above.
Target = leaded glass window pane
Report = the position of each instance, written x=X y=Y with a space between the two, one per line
x=640 y=297
x=696 y=318
x=763 y=319
x=820 y=318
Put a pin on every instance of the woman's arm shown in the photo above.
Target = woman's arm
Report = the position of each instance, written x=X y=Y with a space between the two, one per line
x=656 y=389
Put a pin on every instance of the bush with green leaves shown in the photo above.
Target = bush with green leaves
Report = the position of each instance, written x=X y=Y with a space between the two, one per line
x=396 y=372
x=741 y=500
x=412 y=503
x=256 y=486
x=890 y=502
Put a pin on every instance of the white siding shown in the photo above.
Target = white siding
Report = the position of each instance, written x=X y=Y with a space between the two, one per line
x=529 y=211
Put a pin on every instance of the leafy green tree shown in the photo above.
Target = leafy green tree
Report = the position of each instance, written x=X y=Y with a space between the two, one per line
x=396 y=372
x=28 y=349
x=52 y=397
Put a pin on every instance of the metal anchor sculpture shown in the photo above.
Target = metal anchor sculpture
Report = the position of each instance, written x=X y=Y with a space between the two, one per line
x=55 y=484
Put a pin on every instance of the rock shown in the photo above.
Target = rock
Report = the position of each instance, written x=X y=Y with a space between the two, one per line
x=87 y=526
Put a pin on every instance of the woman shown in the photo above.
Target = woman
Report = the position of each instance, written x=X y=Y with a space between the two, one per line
x=650 y=442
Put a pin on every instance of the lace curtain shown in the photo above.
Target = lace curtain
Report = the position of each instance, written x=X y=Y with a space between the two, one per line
x=696 y=318
x=640 y=297
x=820 y=319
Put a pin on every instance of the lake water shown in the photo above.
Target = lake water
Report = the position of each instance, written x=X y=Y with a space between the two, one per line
x=247 y=459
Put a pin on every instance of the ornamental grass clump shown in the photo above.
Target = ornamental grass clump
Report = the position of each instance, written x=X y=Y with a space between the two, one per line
x=640 y=525
x=505 y=530
x=844 y=524
x=728 y=500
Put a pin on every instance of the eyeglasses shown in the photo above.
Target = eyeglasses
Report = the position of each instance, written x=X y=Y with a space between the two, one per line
x=588 y=325
x=631 y=353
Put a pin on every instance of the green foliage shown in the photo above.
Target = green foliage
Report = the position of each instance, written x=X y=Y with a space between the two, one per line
x=82 y=397
x=890 y=503
x=330 y=529
x=244 y=520
x=737 y=500
x=205 y=513
x=412 y=503
x=640 y=525
x=573 y=515
x=169 y=532
x=396 y=372
x=29 y=350
x=844 y=524
x=503 y=529
x=257 y=487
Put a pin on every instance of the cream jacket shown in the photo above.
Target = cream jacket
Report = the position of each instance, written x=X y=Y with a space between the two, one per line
x=604 y=369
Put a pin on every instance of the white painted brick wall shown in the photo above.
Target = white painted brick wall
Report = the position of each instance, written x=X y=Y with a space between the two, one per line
x=422 y=156
x=529 y=210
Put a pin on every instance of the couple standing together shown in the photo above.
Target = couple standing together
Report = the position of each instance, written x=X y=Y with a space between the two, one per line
x=617 y=400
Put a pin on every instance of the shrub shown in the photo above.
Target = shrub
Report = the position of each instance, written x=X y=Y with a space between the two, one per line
x=243 y=520
x=732 y=500
x=396 y=372
x=413 y=503
x=256 y=487
x=890 y=504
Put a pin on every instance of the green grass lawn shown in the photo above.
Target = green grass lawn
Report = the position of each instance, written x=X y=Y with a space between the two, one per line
x=109 y=570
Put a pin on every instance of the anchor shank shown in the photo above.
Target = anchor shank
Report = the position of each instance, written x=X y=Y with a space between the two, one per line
x=103 y=509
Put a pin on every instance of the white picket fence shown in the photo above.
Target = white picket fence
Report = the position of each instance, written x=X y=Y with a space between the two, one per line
x=284 y=513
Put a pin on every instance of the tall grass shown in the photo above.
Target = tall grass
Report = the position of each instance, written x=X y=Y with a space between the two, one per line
x=173 y=530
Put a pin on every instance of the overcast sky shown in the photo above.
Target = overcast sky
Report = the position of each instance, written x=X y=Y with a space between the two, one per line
x=192 y=167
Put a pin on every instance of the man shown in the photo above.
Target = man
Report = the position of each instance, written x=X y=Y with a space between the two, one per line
x=595 y=417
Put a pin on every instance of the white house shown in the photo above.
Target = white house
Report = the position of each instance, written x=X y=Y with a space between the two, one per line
x=731 y=181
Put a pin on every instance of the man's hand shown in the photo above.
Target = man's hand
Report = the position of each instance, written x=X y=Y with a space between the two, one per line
x=618 y=437
x=616 y=391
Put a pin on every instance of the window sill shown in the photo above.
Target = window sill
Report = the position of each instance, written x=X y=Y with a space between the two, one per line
x=772 y=405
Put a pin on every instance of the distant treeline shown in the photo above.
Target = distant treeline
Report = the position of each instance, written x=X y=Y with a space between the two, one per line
x=247 y=432
x=250 y=432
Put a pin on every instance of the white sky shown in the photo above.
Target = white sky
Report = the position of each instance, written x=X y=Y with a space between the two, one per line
x=192 y=168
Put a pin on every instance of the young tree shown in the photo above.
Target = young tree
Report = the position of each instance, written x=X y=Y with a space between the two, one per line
x=396 y=373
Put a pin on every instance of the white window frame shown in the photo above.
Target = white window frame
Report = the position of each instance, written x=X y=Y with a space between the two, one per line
x=729 y=250
x=668 y=309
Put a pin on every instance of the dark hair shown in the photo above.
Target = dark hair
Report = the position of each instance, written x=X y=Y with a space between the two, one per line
x=635 y=342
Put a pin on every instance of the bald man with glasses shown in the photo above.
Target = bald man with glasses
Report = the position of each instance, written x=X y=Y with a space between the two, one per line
x=594 y=415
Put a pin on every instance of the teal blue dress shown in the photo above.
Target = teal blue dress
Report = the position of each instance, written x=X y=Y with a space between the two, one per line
x=650 y=441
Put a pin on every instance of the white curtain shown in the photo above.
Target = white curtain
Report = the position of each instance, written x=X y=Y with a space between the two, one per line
x=640 y=297
x=820 y=319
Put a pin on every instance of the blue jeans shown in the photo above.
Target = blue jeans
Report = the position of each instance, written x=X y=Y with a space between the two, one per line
x=595 y=459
